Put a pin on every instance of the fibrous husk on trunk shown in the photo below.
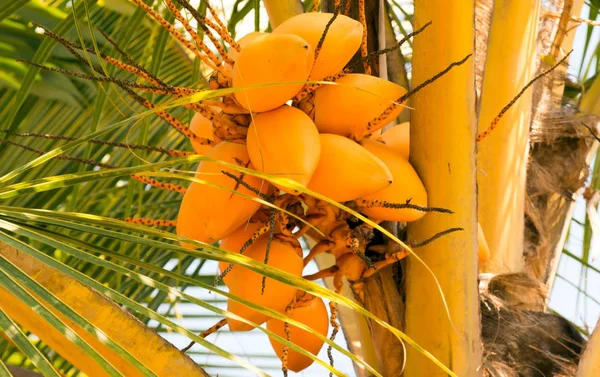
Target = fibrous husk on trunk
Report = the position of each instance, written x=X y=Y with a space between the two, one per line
x=519 y=339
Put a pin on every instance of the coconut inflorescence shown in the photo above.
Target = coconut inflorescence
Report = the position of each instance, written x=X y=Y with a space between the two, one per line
x=296 y=134
x=300 y=137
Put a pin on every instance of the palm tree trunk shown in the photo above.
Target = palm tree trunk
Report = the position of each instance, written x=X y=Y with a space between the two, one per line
x=590 y=361
x=502 y=156
x=443 y=130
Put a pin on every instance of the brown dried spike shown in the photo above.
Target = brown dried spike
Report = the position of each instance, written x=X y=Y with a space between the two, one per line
x=378 y=203
x=158 y=184
x=245 y=246
x=337 y=283
x=203 y=22
x=138 y=71
x=144 y=102
x=212 y=61
x=150 y=222
x=207 y=332
x=310 y=88
x=195 y=35
x=170 y=152
x=288 y=337
x=168 y=118
x=218 y=121
x=363 y=46
x=376 y=122
x=131 y=61
x=347 y=8
x=60 y=157
x=127 y=67
x=387 y=50
x=175 y=91
x=269 y=242
x=90 y=77
x=494 y=123
x=223 y=32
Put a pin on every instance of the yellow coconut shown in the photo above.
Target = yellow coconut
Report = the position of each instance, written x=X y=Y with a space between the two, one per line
x=348 y=171
x=208 y=213
x=284 y=142
x=245 y=41
x=311 y=311
x=347 y=108
x=271 y=59
x=406 y=186
x=285 y=254
x=342 y=40
x=398 y=139
x=235 y=241
x=203 y=128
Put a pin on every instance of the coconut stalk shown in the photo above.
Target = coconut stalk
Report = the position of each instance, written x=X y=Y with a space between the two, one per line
x=589 y=365
x=160 y=356
x=281 y=10
x=443 y=131
x=502 y=156
x=355 y=327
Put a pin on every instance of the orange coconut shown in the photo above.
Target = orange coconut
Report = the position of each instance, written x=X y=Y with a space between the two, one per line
x=342 y=40
x=235 y=241
x=347 y=171
x=243 y=42
x=284 y=142
x=285 y=254
x=271 y=59
x=483 y=253
x=311 y=311
x=406 y=186
x=203 y=128
x=208 y=213
x=347 y=108
x=398 y=139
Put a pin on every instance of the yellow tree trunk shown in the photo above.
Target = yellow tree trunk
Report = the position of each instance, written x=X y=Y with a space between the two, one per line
x=160 y=356
x=589 y=365
x=443 y=132
x=502 y=156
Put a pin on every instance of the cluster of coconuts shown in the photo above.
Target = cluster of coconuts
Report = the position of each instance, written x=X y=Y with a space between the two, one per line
x=317 y=149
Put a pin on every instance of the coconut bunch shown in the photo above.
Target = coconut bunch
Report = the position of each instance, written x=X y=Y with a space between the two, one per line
x=303 y=120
